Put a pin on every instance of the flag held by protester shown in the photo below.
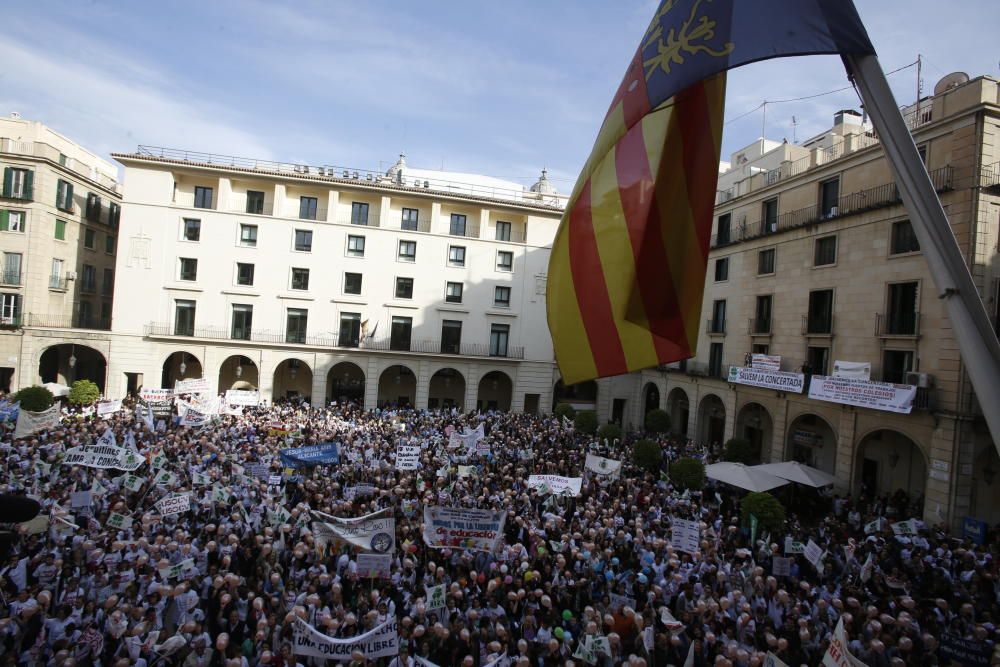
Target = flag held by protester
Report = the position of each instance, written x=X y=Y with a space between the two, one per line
x=627 y=268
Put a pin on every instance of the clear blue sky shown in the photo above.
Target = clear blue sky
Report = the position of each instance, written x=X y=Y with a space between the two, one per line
x=494 y=88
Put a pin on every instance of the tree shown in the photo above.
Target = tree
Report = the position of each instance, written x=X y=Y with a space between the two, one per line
x=610 y=432
x=585 y=421
x=657 y=421
x=83 y=392
x=564 y=410
x=647 y=455
x=769 y=511
x=688 y=473
x=34 y=399
x=740 y=450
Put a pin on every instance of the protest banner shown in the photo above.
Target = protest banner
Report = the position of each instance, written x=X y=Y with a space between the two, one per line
x=874 y=395
x=174 y=504
x=780 y=566
x=304 y=457
x=874 y=526
x=151 y=395
x=259 y=470
x=602 y=466
x=194 y=418
x=274 y=480
x=837 y=654
x=467 y=440
x=964 y=651
x=793 y=547
x=813 y=553
x=619 y=602
x=144 y=414
x=774 y=661
x=466 y=471
x=359 y=491
x=555 y=484
x=105 y=408
x=185 y=567
x=192 y=386
x=904 y=528
x=475 y=529
x=220 y=494
x=379 y=642
x=767 y=379
x=685 y=535
x=9 y=411
x=165 y=478
x=243 y=397
x=133 y=483
x=118 y=521
x=374 y=566
x=81 y=499
x=765 y=362
x=853 y=370
x=585 y=652
x=29 y=423
x=407 y=457
x=104 y=457
x=435 y=597
x=373 y=532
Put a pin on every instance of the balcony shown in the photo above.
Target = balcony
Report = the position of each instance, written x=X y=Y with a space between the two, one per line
x=10 y=278
x=897 y=325
x=715 y=326
x=428 y=346
x=817 y=326
x=47 y=152
x=989 y=177
x=78 y=321
x=58 y=283
x=11 y=323
x=758 y=326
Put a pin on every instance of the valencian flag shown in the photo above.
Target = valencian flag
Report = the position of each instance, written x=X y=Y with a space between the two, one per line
x=627 y=269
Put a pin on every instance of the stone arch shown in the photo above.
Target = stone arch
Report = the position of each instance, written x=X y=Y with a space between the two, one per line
x=180 y=365
x=812 y=440
x=582 y=395
x=397 y=386
x=496 y=390
x=754 y=423
x=711 y=420
x=446 y=389
x=238 y=372
x=292 y=379
x=65 y=363
x=889 y=460
x=345 y=381
x=678 y=406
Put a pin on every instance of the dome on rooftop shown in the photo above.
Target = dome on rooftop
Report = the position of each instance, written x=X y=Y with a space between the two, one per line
x=395 y=172
x=543 y=186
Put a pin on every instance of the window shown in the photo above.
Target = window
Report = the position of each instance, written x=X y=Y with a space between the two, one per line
x=12 y=221
x=453 y=293
x=300 y=279
x=503 y=231
x=89 y=238
x=499 y=339
x=84 y=315
x=501 y=296
x=352 y=283
x=903 y=238
x=399 y=335
x=817 y=360
x=408 y=251
x=922 y=152
x=411 y=216
x=505 y=260
x=255 y=202
x=114 y=214
x=350 y=329
x=356 y=246
x=244 y=274
x=820 y=318
x=721 y=269
x=451 y=336
x=192 y=229
x=715 y=360
x=762 y=315
x=359 y=213
x=189 y=268
x=88 y=279
x=457 y=226
x=17 y=183
x=902 y=316
x=722 y=229
x=202 y=197
x=760 y=348
x=248 y=236
x=184 y=317
x=456 y=255
x=718 y=323
x=64 y=196
x=105 y=314
x=765 y=262
x=404 y=288
x=769 y=216
x=60 y=230
x=895 y=365
x=93 y=211
x=56 y=277
x=108 y=282
x=829 y=195
x=825 y=251
x=242 y=321
x=109 y=244
x=295 y=325
x=303 y=240
x=307 y=208
x=10 y=308
x=11 y=268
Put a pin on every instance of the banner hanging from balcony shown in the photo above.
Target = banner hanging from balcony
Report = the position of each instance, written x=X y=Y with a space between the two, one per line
x=875 y=395
x=779 y=380
x=852 y=370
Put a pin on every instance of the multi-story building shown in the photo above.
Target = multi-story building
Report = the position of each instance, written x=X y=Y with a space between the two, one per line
x=59 y=213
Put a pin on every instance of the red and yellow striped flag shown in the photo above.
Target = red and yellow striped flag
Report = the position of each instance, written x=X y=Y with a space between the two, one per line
x=627 y=269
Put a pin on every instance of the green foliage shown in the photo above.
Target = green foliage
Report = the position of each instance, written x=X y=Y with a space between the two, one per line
x=688 y=473
x=34 y=399
x=741 y=450
x=585 y=421
x=83 y=392
x=647 y=455
x=769 y=512
x=564 y=410
x=657 y=421
x=610 y=432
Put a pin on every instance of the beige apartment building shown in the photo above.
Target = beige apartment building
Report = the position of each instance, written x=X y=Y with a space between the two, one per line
x=59 y=211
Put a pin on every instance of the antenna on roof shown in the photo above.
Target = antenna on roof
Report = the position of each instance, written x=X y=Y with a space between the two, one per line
x=795 y=136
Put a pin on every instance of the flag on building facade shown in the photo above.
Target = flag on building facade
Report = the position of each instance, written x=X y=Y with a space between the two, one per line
x=627 y=268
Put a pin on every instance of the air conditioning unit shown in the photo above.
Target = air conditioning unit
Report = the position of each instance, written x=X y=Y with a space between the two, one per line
x=71 y=275
x=922 y=380
x=355 y=175
x=322 y=172
x=346 y=174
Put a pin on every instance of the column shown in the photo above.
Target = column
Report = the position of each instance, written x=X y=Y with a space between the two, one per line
x=778 y=427
x=279 y=199
x=319 y=382
x=225 y=194
x=371 y=383
x=332 y=202
x=694 y=401
x=484 y=223
x=423 y=385
x=846 y=429
x=471 y=387
x=436 y=219
x=383 y=213
x=729 y=402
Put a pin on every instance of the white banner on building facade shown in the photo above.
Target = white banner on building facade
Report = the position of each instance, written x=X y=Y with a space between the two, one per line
x=765 y=362
x=852 y=370
x=779 y=380
x=243 y=397
x=105 y=408
x=475 y=529
x=602 y=466
x=555 y=485
x=379 y=642
x=874 y=395
x=29 y=423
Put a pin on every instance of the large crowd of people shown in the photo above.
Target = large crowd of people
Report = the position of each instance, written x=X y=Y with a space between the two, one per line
x=105 y=577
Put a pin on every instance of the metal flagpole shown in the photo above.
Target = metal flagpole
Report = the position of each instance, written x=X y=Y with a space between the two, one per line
x=977 y=342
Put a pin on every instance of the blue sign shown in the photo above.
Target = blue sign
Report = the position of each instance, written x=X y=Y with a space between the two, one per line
x=311 y=455
x=9 y=411
x=974 y=529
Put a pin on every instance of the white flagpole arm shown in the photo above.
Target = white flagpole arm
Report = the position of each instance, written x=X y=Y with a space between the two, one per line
x=977 y=342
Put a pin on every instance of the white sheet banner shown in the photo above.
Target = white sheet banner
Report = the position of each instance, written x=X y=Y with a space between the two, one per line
x=556 y=485
x=156 y=395
x=685 y=535
x=904 y=528
x=29 y=423
x=103 y=456
x=765 y=362
x=174 y=504
x=767 y=379
x=479 y=530
x=468 y=440
x=373 y=532
x=407 y=457
x=379 y=642
x=105 y=408
x=602 y=466
x=874 y=395
x=194 y=418
x=192 y=386
x=243 y=397
x=852 y=370
x=837 y=654
x=813 y=553
x=374 y=566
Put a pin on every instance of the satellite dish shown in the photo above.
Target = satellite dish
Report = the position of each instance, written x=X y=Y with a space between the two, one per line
x=952 y=80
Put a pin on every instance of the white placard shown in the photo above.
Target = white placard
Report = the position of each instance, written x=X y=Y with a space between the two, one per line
x=765 y=362
x=781 y=566
x=156 y=395
x=602 y=466
x=407 y=457
x=853 y=370
x=813 y=553
x=105 y=408
x=374 y=566
x=243 y=397
x=837 y=654
x=685 y=535
x=379 y=642
x=192 y=386
x=174 y=504
x=874 y=395
x=555 y=484
x=778 y=380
